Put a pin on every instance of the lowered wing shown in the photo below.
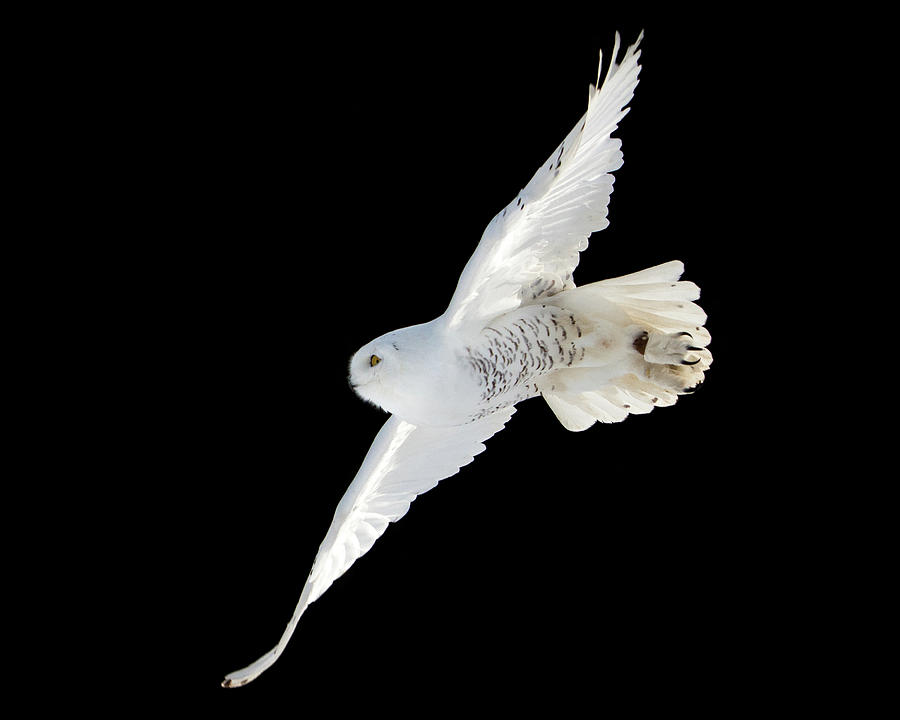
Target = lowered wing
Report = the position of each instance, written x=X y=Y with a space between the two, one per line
x=404 y=461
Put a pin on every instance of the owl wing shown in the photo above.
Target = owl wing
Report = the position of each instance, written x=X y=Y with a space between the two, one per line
x=531 y=247
x=404 y=461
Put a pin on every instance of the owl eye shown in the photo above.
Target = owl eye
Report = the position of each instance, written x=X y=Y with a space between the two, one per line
x=374 y=360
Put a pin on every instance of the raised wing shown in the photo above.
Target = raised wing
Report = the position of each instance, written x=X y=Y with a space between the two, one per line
x=531 y=247
x=403 y=462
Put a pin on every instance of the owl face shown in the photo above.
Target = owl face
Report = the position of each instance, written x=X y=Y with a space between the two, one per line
x=374 y=369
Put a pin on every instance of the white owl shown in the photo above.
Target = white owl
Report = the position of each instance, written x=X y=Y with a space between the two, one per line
x=517 y=327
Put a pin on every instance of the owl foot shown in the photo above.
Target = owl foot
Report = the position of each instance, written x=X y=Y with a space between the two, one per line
x=669 y=349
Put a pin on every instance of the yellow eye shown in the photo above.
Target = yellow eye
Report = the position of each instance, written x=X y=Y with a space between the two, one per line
x=374 y=360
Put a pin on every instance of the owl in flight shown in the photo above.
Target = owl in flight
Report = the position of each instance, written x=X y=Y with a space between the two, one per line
x=516 y=327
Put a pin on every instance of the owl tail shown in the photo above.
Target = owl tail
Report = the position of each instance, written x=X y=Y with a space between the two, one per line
x=646 y=346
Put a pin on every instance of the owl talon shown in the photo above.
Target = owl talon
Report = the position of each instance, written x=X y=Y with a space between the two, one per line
x=673 y=349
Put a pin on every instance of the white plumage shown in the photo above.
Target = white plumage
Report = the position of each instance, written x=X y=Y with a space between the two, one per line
x=516 y=327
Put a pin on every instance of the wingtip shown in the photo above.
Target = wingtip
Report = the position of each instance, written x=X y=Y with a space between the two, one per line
x=634 y=48
x=229 y=682
x=617 y=44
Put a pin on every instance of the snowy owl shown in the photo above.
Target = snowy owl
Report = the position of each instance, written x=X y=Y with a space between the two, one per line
x=516 y=327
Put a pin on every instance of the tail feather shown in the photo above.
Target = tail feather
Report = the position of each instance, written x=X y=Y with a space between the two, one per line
x=655 y=297
x=665 y=272
x=571 y=411
x=662 y=347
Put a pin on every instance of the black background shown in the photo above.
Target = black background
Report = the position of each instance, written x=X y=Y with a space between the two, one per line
x=289 y=186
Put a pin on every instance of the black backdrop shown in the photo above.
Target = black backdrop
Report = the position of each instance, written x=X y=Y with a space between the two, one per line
x=305 y=184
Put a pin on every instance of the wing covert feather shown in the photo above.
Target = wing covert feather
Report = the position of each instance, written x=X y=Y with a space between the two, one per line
x=403 y=462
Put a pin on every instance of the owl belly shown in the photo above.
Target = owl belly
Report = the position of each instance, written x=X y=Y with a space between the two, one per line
x=517 y=349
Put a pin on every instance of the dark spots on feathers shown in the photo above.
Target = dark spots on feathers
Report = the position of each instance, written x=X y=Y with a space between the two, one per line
x=640 y=342
x=512 y=355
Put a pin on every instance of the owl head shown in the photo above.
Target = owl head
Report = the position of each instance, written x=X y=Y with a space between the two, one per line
x=406 y=372
x=375 y=371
